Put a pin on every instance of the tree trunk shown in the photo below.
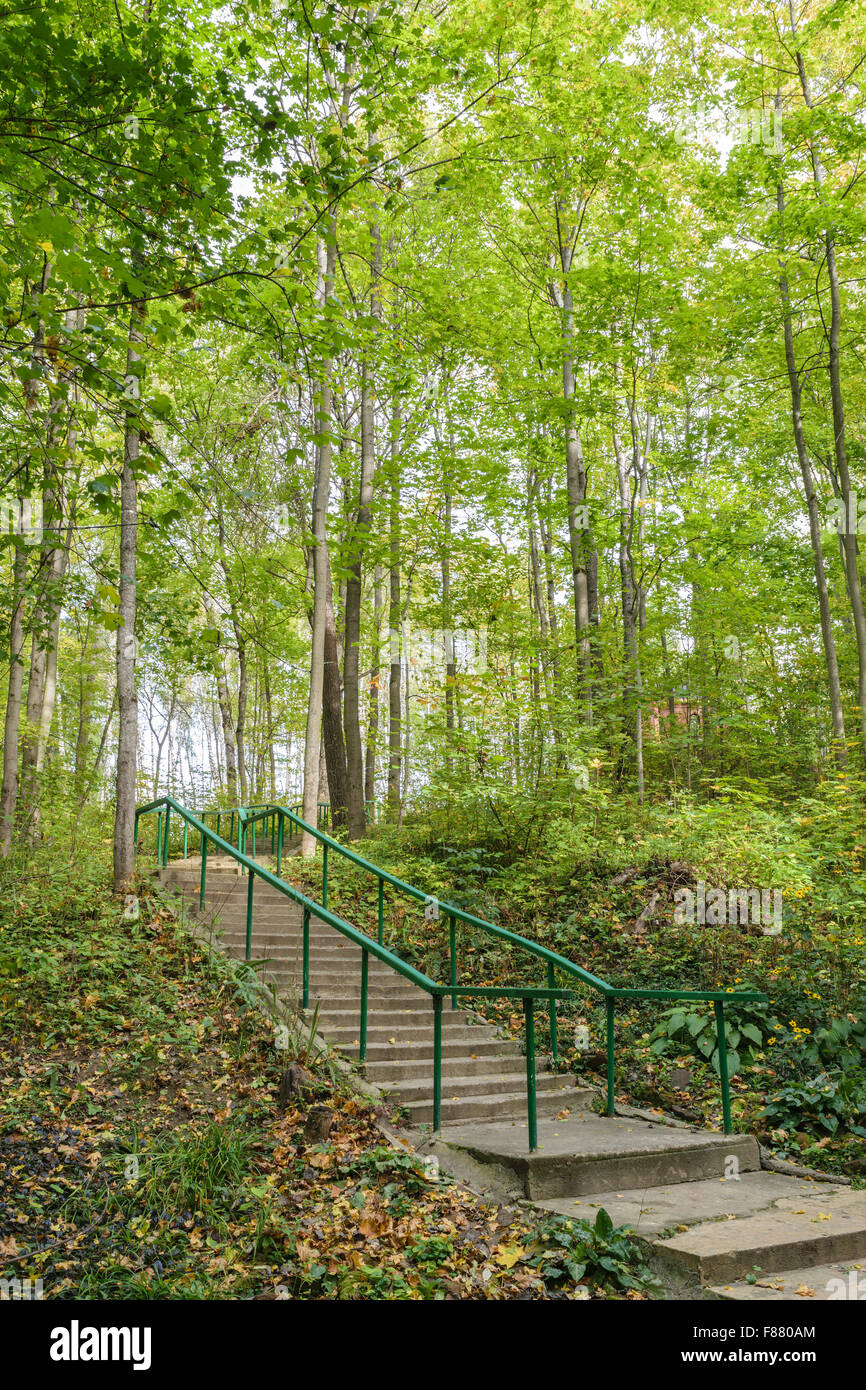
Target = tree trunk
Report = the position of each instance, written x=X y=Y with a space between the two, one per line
x=840 y=449
x=373 y=702
x=9 y=793
x=357 y=823
x=837 y=720
x=332 y=724
x=127 y=696
x=327 y=263
x=395 y=730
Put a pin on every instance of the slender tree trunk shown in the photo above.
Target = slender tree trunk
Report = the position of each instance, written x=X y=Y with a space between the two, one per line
x=357 y=823
x=225 y=709
x=395 y=731
x=127 y=695
x=579 y=530
x=9 y=793
x=840 y=449
x=831 y=662
x=373 y=700
x=323 y=404
x=332 y=724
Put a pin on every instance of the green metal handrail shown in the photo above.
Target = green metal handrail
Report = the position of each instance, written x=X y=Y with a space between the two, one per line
x=248 y=816
x=166 y=805
x=553 y=960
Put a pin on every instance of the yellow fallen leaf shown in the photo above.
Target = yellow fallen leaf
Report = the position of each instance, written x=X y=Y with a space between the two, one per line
x=508 y=1255
x=804 y=1291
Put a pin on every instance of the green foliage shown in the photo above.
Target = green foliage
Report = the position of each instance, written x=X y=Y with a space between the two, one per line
x=825 y=1102
x=693 y=1028
x=600 y=1255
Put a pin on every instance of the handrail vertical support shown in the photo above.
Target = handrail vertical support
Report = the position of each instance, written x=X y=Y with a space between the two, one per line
x=185 y=838
x=281 y=823
x=249 y=946
x=452 y=946
x=135 y=833
x=719 y=1009
x=608 y=1004
x=381 y=911
x=365 y=975
x=306 y=975
x=554 y=1031
x=159 y=838
x=531 y=1106
x=203 y=873
x=437 y=1063
x=324 y=875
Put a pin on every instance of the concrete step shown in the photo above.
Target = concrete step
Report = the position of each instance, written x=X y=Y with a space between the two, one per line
x=796 y=1233
x=394 y=1074
x=408 y=1033
x=483 y=1083
x=333 y=1020
x=654 y=1213
x=590 y=1153
x=423 y=1050
x=499 y=1107
x=840 y=1282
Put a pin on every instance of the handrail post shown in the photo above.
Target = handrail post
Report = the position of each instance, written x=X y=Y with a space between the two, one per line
x=281 y=822
x=135 y=833
x=305 y=997
x=531 y=1106
x=437 y=1063
x=554 y=1032
x=203 y=872
x=242 y=831
x=324 y=875
x=253 y=855
x=608 y=1003
x=719 y=1009
x=381 y=911
x=232 y=828
x=249 y=946
x=218 y=822
x=158 y=838
x=165 y=840
x=185 y=838
x=365 y=972
x=452 y=946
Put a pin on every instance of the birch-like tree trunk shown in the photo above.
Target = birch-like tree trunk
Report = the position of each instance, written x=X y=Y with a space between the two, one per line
x=127 y=693
x=323 y=398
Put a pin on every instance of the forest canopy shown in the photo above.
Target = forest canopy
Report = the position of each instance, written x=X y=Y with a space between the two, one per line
x=428 y=404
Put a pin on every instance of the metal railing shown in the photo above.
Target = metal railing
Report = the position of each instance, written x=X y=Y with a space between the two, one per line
x=243 y=821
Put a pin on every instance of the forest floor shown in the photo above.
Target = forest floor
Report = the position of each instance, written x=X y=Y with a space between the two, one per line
x=144 y=1152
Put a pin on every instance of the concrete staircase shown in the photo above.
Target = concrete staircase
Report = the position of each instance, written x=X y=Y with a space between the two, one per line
x=483 y=1074
x=714 y=1224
